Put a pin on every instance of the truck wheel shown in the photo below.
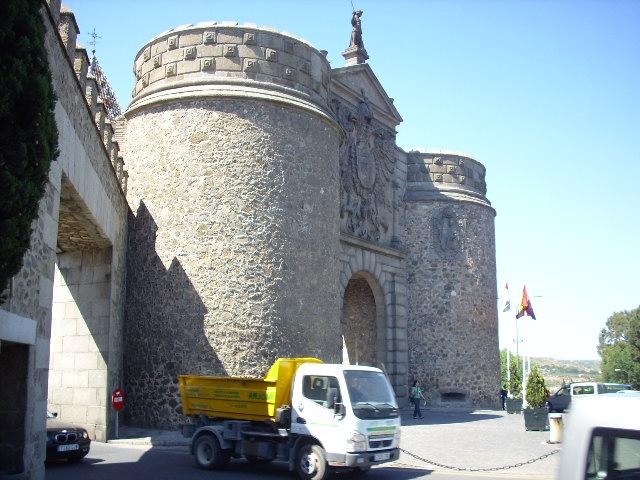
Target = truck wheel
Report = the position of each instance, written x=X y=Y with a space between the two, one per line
x=208 y=453
x=311 y=463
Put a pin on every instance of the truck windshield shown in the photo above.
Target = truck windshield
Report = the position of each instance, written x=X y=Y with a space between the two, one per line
x=371 y=395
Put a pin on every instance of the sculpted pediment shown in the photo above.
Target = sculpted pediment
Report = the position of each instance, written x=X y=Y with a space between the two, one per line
x=368 y=155
x=357 y=82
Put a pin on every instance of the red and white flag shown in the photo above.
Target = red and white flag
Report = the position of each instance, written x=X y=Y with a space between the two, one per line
x=506 y=299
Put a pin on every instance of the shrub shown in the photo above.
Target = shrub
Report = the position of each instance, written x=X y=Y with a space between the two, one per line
x=536 y=390
x=515 y=385
x=28 y=133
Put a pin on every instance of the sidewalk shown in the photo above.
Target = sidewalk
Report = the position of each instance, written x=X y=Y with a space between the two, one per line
x=460 y=438
x=476 y=439
x=150 y=436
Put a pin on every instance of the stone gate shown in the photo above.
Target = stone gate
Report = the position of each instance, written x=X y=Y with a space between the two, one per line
x=266 y=211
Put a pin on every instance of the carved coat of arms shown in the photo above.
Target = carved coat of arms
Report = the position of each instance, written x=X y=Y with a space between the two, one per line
x=446 y=233
x=367 y=166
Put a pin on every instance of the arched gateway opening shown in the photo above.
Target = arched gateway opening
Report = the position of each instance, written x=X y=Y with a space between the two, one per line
x=363 y=321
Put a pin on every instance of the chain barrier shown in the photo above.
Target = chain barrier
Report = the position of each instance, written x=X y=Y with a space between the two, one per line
x=488 y=469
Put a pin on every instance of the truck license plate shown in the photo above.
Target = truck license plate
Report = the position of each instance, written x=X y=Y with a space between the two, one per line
x=381 y=456
x=68 y=448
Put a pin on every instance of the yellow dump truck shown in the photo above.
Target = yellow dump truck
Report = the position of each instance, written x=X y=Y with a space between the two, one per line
x=313 y=415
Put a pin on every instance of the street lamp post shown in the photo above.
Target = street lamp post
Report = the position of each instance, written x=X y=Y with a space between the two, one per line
x=621 y=370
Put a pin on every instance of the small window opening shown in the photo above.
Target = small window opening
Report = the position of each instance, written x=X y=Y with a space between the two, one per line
x=453 y=397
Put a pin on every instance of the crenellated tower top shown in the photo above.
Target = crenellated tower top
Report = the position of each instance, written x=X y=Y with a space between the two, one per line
x=445 y=175
x=228 y=59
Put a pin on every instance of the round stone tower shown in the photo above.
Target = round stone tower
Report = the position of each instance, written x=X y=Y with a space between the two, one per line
x=233 y=241
x=451 y=280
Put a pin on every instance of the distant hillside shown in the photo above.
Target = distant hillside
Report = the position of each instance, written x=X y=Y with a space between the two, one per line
x=555 y=371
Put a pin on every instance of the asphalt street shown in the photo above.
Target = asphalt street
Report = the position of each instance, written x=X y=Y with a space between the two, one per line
x=108 y=462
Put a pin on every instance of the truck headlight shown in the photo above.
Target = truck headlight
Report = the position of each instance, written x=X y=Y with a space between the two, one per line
x=356 y=442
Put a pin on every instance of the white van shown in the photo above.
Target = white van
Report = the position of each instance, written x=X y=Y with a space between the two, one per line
x=559 y=401
x=602 y=438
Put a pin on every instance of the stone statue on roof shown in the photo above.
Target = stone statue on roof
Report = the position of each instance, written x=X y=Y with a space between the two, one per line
x=356 y=31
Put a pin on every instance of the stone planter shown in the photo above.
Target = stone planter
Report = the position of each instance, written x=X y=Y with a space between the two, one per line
x=536 y=419
x=514 y=405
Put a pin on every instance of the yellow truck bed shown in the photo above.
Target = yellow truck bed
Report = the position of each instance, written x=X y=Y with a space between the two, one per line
x=241 y=398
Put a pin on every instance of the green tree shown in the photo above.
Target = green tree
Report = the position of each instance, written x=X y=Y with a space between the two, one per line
x=634 y=347
x=28 y=133
x=503 y=368
x=515 y=364
x=619 y=348
x=536 y=389
x=515 y=386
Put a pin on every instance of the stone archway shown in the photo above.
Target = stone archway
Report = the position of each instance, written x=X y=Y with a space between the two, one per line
x=363 y=321
x=79 y=360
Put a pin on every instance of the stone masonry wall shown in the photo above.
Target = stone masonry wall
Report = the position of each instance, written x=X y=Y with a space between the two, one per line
x=228 y=53
x=80 y=340
x=453 y=337
x=85 y=162
x=233 y=247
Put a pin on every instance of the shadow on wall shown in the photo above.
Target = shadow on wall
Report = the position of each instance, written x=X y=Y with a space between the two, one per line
x=164 y=331
x=13 y=395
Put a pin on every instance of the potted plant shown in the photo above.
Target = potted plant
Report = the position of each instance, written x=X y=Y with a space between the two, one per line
x=536 y=413
x=514 y=403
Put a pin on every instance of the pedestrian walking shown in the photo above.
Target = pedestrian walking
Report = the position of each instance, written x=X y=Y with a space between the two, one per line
x=415 y=395
x=503 y=398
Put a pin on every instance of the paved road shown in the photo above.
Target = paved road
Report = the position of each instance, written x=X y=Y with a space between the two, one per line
x=109 y=462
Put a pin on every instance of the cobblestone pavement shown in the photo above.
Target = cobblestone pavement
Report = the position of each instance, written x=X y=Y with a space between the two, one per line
x=478 y=439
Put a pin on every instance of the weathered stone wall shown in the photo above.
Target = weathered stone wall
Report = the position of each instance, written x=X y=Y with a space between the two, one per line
x=233 y=248
x=92 y=215
x=85 y=163
x=451 y=281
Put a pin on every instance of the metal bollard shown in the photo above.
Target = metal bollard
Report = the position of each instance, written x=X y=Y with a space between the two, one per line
x=556 y=426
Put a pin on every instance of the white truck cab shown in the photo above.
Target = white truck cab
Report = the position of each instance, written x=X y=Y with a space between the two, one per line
x=602 y=438
x=350 y=410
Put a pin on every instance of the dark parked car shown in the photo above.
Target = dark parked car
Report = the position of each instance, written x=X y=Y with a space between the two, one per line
x=559 y=401
x=65 y=442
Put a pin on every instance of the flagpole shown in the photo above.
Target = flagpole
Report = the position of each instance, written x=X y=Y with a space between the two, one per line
x=507 y=308
x=517 y=340
x=508 y=370
x=524 y=375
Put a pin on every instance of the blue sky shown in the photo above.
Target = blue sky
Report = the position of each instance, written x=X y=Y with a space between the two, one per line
x=544 y=93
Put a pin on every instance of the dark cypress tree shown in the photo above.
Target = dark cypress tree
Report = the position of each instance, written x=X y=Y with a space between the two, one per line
x=28 y=132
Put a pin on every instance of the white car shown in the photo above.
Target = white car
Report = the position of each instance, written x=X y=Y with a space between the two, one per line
x=602 y=438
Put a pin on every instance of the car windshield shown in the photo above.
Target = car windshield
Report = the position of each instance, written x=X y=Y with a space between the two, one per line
x=371 y=395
